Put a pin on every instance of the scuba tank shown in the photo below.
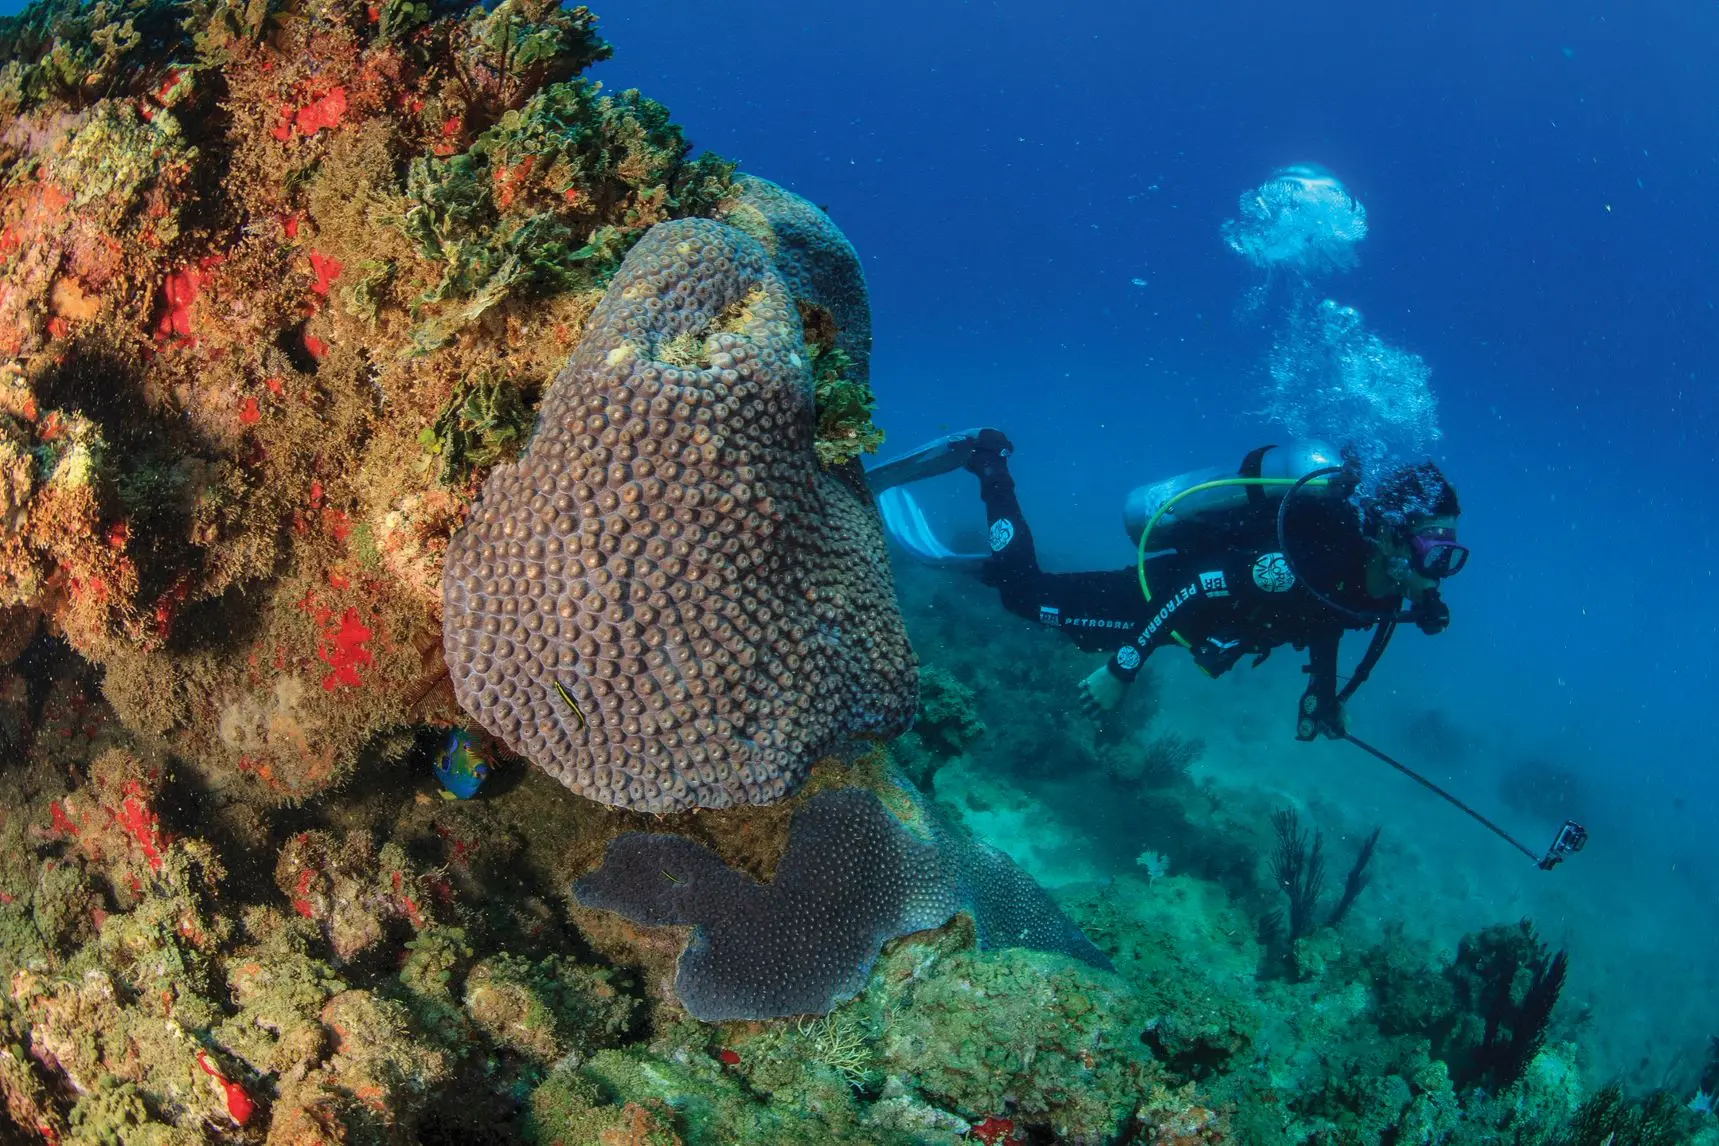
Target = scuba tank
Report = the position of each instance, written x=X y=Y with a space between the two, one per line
x=1167 y=514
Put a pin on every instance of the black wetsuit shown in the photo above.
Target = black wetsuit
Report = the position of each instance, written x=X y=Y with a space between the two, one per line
x=1226 y=595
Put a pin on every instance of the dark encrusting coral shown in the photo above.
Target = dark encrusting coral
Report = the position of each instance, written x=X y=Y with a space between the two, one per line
x=853 y=877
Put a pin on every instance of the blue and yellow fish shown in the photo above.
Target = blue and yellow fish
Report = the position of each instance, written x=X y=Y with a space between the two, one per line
x=459 y=767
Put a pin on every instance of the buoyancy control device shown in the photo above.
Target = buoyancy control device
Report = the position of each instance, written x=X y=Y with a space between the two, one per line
x=1167 y=514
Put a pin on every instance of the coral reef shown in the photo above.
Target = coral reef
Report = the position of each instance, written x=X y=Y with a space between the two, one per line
x=666 y=603
x=854 y=876
x=282 y=286
x=1505 y=976
x=943 y=728
x=946 y=1045
x=166 y=980
x=385 y=966
x=254 y=263
x=352 y=892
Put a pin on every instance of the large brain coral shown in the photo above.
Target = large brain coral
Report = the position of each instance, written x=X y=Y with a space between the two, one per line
x=667 y=602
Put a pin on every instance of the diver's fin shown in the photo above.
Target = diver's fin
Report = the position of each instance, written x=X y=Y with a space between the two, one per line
x=907 y=526
x=944 y=455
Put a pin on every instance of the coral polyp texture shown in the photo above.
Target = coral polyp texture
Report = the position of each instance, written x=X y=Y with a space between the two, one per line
x=853 y=877
x=824 y=273
x=821 y=267
x=668 y=602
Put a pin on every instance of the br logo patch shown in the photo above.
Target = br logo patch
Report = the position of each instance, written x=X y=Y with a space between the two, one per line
x=1271 y=573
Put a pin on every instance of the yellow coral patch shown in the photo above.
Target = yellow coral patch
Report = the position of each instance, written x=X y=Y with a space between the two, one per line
x=68 y=300
x=256 y=724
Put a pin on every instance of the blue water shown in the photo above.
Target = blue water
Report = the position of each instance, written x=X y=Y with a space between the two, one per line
x=1540 y=186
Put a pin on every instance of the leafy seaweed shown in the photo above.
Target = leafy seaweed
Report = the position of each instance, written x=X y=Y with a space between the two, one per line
x=845 y=406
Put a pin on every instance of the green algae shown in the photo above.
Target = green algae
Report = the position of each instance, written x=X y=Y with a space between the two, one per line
x=1043 y=1036
x=64 y=905
x=113 y=157
x=519 y=46
x=437 y=959
x=946 y=1037
x=948 y=721
x=218 y=27
x=570 y=1107
x=845 y=406
x=945 y=726
x=277 y=988
x=485 y=421
x=77 y=52
x=118 y=1114
x=517 y=213
x=712 y=1105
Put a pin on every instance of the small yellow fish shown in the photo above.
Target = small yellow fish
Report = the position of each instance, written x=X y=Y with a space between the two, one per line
x=573 y=704
x=667 y=876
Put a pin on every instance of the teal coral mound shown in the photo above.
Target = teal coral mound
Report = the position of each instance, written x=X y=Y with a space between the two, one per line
x=667 y=603
x=852 y=878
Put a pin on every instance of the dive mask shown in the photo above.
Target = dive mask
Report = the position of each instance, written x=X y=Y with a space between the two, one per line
x=1434 y=552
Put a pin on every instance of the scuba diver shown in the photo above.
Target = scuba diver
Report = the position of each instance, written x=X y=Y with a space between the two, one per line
x=1231 y=563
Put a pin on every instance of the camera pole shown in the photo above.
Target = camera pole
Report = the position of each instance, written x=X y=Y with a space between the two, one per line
x=1571 y=838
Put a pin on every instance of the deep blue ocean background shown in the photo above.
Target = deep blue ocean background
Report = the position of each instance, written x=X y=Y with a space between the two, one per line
x=1541 y=185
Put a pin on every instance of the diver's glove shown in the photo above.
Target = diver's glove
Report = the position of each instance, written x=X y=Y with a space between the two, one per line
x=1101 y=692
x=1321 y=714
x=1431 y=613
x=985 y=449
x=1216 y=657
